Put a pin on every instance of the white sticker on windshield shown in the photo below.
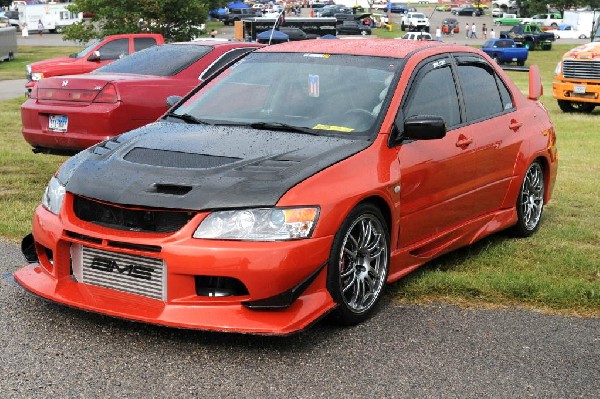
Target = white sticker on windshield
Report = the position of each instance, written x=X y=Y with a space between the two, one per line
x=313 y=85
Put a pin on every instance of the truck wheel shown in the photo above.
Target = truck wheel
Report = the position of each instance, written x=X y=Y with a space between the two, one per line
x=497 y=60
x=582 y=36
x=554 y=25
x=473 y=14
x=547 y=47
x=529 y=46
x=568 y=106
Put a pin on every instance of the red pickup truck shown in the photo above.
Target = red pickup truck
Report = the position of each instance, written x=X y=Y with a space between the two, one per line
x=97 y=54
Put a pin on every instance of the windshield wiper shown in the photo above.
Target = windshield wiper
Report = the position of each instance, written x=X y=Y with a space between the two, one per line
x=188 y=118
x=283 y=126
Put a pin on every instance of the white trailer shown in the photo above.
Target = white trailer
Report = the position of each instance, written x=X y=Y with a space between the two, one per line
x=582 y=20
x=8 y=43
x=54 y=16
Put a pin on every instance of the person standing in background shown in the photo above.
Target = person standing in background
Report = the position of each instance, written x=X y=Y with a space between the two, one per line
x=467 y=30
x=473 y=31
x=40 y=27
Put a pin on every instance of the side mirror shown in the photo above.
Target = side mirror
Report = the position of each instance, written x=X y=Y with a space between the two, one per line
x=95 y=56
x=424 y=127
x=172 y=100
x=535 y=83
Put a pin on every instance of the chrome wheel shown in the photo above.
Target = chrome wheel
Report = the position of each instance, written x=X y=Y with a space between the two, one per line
x=358 y=264
x=530 y=203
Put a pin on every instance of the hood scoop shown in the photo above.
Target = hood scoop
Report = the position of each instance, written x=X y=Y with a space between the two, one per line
x=176 y=159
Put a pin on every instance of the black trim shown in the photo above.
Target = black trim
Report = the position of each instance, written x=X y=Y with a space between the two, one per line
x=284 y=299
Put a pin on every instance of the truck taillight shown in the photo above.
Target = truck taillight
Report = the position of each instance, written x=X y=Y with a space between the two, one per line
x=34 y=92
x=107 y=95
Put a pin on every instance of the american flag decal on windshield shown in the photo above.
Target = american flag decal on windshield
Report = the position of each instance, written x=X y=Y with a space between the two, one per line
x=313 y=85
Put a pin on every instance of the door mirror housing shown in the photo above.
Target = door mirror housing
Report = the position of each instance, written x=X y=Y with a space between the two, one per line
x=424 y=127
x=95 y=56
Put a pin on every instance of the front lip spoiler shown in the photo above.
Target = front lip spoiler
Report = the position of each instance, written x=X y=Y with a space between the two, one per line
x=286 y=298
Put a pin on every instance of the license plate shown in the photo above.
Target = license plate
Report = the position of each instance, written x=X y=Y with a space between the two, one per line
x=579 y=89
x=58 y=123
x=514 y=59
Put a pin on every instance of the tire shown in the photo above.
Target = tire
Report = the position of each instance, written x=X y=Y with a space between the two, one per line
x=554 y=25
x=572 y=106
x=529 y=46
x=582 y=36
x=530 y=202
x=358 y=264
x=547 y=47
x=497 y=60
x=473 y=14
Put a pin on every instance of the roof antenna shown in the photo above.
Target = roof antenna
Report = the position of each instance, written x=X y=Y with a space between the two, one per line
x=277 y=20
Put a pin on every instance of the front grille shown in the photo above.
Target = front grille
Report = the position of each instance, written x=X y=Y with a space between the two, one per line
x=575 y=69
x=121 y=218
x=134 y=274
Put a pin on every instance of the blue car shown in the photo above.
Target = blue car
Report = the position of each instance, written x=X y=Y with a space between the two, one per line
x=505 y=51
x=398 y=7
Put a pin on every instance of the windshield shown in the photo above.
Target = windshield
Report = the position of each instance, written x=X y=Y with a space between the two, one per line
x=86 y=50
x=319 y=93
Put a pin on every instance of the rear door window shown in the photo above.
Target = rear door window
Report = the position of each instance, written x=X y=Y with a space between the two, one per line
x=140 y=43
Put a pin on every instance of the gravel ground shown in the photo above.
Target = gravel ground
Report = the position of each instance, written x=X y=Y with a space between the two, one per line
x=403 y=352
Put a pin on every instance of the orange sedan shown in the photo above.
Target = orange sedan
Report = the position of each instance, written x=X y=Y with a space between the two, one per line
x=296 y=183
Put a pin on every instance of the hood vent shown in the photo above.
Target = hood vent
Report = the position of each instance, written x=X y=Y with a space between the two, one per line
x=176 y=159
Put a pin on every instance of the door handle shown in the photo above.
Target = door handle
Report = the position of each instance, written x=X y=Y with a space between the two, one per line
x=464 y=141
x=514 y=125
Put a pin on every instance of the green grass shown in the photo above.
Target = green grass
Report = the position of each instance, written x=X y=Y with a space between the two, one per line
x=27 y=54
x=557 y=269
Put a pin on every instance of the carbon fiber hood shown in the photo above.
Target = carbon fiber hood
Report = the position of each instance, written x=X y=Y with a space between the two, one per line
x=198 y=167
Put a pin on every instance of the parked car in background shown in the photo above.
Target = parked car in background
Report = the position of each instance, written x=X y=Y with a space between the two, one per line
x=469 y=10
x=417 y=36
x=508 y=19
x=297 y=33
x=96 y=54
x=443 y=7
x=414 y=21
x=565 y=31
x=355 y=27
x=399 y=8
x=237 y=14
x=72 y=112
x=450 y=26
x=576 y=85
x=505 y=51
x=295 y=184
x=552 y=19
x=529 y=36
x=331 y=10
x=497 y=12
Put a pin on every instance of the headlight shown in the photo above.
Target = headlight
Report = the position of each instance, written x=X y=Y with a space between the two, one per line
x=558 y=68
x=54 y=196
x=28 y=69
x=261 y=224
x=37 y=76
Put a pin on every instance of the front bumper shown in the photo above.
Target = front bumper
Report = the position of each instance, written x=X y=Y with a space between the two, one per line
x=586 y=91
x=267 y=269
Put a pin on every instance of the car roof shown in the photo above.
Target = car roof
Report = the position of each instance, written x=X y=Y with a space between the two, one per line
x=369 y=47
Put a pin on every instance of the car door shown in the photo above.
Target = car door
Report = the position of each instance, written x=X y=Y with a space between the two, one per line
x=495 y=127
x=436 y=176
